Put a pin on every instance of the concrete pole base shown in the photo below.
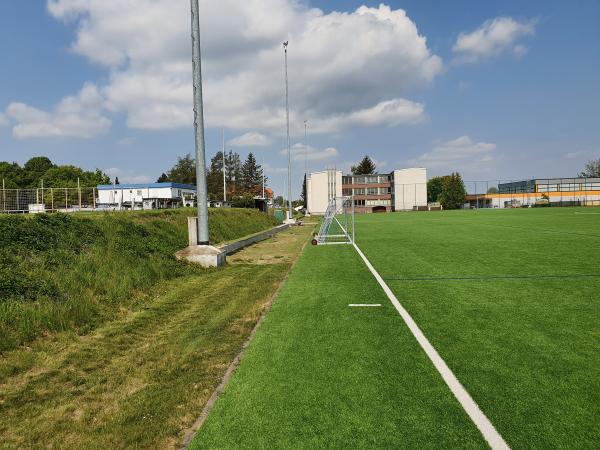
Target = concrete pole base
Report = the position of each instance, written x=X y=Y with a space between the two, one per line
x=204 y=255
x=290 y=221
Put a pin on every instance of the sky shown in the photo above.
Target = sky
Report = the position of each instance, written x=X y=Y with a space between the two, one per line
x=494 y=90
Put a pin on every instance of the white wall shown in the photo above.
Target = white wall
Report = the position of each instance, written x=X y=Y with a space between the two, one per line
x=321 y=187
x=125 y=195
x=410 y=188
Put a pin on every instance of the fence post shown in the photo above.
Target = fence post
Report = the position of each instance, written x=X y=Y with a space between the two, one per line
x=66 y=200
x=52 y=199
x=3 y=196
x=94 y=198
x=79 y=193
x=18 y=204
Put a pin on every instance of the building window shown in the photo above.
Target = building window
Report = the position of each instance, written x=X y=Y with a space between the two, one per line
x=359 y=203
x=372 y=191
x=346 y=191
x=139 y=193
x=346 y=180
x=359 y=191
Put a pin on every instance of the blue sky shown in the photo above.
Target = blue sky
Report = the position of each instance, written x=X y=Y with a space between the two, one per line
x=496 y=90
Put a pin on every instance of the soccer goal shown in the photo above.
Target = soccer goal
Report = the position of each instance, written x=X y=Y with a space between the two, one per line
x=337 y=226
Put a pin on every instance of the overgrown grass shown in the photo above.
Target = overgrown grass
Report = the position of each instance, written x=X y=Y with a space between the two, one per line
x=72 y=272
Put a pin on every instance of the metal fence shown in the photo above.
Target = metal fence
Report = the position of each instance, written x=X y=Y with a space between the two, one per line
x=48 y=200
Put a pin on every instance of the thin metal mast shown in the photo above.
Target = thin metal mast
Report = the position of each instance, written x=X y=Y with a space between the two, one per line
x=224 y=180
x=287 y=117
x=201 y=188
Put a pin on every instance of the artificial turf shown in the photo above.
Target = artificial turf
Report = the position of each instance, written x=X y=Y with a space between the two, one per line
x=320 y=374
x=511 y=301
x=508 y=298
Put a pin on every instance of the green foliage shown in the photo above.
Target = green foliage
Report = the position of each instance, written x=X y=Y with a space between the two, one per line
x=453 y=195
x=592 y=169
x=243 y=201
x=365 y=167
x=252 y=174
x=72 y=272
x=434 y=189
x=184 y=171
x=303 y=195
x=41 y=168
x=492 y=190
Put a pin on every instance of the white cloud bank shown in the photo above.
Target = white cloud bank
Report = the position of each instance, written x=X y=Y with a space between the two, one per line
x=250 y=139
x=300 y=153
x=79 y=116
x=492 y=38
x=458 y=154
x=345 y=69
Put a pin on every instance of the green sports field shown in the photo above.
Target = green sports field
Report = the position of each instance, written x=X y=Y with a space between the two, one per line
x=510 y=300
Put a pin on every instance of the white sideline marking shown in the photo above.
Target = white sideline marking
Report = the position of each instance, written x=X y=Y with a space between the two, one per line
x=365 y=304
x=486 y=428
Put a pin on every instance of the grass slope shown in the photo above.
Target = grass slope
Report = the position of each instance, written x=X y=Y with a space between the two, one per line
x=319 y=374
x=141 y=380
x=72 y=272
x=525 y=348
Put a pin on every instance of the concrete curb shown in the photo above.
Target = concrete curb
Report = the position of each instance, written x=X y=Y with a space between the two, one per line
x=238 y=245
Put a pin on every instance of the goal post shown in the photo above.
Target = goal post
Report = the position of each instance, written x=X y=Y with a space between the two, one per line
x=337 y=225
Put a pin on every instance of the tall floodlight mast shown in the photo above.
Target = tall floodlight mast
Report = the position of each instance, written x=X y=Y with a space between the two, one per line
x=224 y=179
x=287 y=118
x=201 y=188
x=306 y=169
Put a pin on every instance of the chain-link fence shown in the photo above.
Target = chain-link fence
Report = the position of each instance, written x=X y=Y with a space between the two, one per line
x=48 y=200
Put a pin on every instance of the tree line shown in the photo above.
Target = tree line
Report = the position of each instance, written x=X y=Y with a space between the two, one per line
x=243 y=180
x=40 y=168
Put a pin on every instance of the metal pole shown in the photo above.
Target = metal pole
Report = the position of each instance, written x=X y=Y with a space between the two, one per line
x=305 y=150
x=79 y=193
x=3 y=196
x=287 y=118
x=224 y=179
x=52 y=198
x=201 y=188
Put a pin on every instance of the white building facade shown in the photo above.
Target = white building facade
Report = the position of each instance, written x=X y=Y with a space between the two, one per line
x=400 y=190
x=145 y=196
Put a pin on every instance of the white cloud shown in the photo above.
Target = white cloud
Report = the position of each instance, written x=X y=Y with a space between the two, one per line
x=250 y=139
x=458 y=154
x=345 y=69
x=3 y=120
x=299 y=153
x=492 y=38
x=78 y=116
x=573 y=155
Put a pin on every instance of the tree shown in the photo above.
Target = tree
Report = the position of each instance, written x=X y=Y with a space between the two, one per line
x=278 y=200
x=215 y=177
x=453 y=195
x=163 y=178
x=592 y=169
x=434 y=189
x=184 y=171
x=251 y=174
x=117 y=180
x=303 y=195
x=35 y=169
x=365 y=167
x=233 y=172
x=492 y=190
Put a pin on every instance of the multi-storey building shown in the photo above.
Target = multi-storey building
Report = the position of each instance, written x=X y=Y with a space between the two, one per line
x=400 y=190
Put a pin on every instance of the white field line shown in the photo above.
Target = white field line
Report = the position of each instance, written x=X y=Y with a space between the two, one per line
x=364 y=304
x=486 y=428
